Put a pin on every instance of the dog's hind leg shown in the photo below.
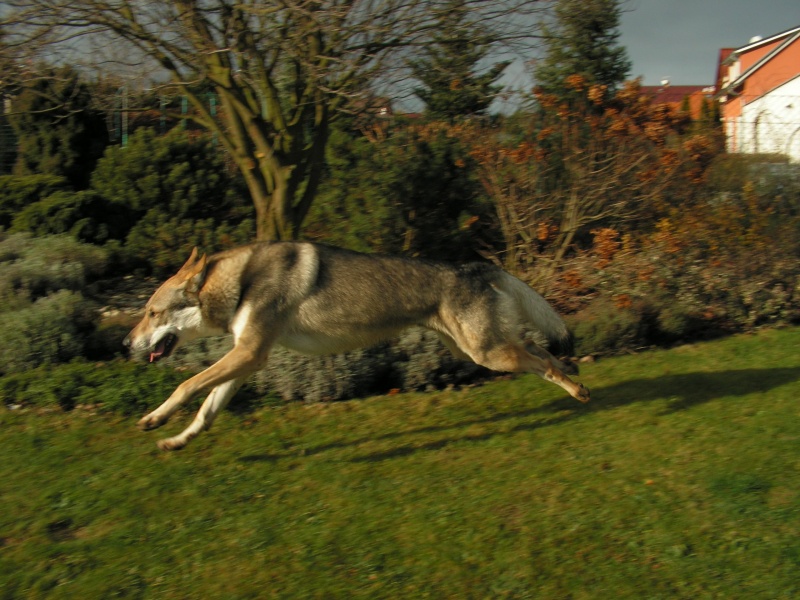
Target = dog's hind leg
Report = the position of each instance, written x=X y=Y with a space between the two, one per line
x=496 y=352
x=514 y=358
x=565 y=366
x=215 y=402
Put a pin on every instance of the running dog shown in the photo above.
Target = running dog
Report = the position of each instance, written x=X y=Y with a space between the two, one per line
x=317 y=299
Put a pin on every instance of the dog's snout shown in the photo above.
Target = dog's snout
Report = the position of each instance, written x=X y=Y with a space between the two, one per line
x=127 y=341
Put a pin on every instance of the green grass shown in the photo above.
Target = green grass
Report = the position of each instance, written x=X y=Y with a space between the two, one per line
x=680 y=480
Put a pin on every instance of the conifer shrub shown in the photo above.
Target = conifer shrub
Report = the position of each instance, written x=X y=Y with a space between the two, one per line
x=19 y=192
x=58 y=127
x=87 y=216
x=52 y=329
x=410 y=191
x=44 y=314
x=176 y=192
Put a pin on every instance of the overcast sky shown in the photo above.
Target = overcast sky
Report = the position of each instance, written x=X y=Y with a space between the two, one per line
x=680 y=40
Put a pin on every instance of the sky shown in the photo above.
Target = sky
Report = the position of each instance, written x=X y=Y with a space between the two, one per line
x=680 y=40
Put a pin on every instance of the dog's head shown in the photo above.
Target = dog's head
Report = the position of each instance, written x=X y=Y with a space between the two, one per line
x=172 y=315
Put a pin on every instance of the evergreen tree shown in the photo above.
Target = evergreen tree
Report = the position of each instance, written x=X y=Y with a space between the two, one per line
x=57 y=130
x=409 y=192
x=176 y=193
x=583 y=41
x=452 y=87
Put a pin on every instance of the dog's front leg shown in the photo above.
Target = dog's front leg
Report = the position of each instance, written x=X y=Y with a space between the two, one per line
x=236 y=363
x=243 y=360
x=161 y=415
x=215 y=402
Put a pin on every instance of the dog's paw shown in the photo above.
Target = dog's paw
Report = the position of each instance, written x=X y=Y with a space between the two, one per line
x=170 y=444
x=583 y=394
x=151 y=421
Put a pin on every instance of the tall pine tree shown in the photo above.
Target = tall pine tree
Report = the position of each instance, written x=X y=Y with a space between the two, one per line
x=453 y=85
x=583 y=41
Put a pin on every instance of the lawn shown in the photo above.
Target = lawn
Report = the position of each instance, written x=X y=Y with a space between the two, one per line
x=680 y=480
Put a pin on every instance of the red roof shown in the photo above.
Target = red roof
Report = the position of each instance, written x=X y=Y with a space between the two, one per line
x=673 y=94
x=679 y=96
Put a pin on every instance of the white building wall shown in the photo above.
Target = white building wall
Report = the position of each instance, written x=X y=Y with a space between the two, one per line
x=769 y=124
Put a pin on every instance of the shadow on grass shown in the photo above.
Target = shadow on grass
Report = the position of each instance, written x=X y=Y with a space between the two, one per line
x=682 y=392
x=685 y=390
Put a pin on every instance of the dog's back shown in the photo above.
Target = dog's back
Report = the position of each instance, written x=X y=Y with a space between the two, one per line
x=359 y=299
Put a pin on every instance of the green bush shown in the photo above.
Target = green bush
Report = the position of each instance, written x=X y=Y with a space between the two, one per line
x=34 y=267
x=409 y=192
x=53 y=329
x=45 y=316
x=13 y=247
x=87 y=216
x=124 y=387
x=602 y=328
x=164 y=243
x=19 y=192
x=177 y=192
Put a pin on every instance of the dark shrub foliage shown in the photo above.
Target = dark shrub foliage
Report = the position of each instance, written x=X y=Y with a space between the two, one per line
x=44 y=315
x=164 y=243
x=53 y=329
x=408 y=191
x=178 y=193
x=182 y=175
x=85 y=215
x=58 y=130
x=19 y=192
x=122 y=386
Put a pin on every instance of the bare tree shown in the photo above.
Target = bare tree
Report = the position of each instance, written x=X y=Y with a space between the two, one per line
x=580 y=170
x=282 y=69
x=600 y=180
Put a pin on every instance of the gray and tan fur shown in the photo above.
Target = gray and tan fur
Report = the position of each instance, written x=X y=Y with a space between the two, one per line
x=317 y=299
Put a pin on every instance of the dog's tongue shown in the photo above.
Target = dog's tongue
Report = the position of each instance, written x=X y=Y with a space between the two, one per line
x=159 y=351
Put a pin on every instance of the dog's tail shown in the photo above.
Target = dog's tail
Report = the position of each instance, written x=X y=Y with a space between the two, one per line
x=536 y=312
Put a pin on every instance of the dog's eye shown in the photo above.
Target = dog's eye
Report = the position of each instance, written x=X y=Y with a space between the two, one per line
x=152 y=314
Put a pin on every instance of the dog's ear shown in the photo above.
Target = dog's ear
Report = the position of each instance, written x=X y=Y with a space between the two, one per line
x=193 y=272
x=196 y=275
x=189 y=264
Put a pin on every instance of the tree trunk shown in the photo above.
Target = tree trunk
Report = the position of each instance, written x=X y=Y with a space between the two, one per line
x=272 y=222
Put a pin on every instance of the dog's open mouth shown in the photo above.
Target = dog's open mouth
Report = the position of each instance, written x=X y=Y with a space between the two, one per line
x=164 y=347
